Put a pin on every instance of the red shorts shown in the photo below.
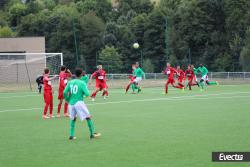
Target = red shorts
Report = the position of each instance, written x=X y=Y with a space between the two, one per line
x=48 y=97
x=170 y=81
x=101 y=85
x=180 y=79
x=60 y=94
x=190 y=79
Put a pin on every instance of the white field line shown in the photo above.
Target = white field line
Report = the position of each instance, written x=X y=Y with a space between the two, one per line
x=113 y=92
x=195 y=97
x=119 y=89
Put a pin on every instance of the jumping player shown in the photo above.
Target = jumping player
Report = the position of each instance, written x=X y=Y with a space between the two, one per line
x=132 y=82
x=73 y=93
x=63 y=79
x=100 y=85
x=138 y=74
x=47 y=94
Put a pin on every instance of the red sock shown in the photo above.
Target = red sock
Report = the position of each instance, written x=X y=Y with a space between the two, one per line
x=45 y=109
x=181 y=84
x=51 y=108
x=59 y=108
x=107 y=93
x=179 y=87
x=93 y=94
x=65 y=108
x=127 y=88
x=166 y=88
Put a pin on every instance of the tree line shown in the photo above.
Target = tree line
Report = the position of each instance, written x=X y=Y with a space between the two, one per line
x=90 y=32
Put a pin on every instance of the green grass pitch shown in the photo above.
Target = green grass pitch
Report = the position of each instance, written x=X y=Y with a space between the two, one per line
x=150 y=129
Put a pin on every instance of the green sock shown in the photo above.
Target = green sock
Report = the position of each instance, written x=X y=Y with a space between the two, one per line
x=212 y=83
x=202 y=85
x=134 y=87
x=72 y=127
x=91 y=126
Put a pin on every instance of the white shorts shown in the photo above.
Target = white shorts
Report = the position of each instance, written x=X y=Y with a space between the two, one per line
x=205 y=77
x=138 y=79
x=79 y=109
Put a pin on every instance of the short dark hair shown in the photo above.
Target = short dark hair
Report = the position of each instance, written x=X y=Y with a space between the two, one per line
x=46 y=70
x=78 y=72
x=63 y=68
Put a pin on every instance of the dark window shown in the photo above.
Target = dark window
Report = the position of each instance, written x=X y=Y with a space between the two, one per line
x=6 y=56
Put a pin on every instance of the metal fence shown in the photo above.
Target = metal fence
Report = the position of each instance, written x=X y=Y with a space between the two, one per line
x=211 y=75
x=120 y=80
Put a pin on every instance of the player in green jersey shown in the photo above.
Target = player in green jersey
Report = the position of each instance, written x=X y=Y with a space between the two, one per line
x=132 y=81
x=73 y=94
x=85 y=78
x=204 y=76
x=139 y=74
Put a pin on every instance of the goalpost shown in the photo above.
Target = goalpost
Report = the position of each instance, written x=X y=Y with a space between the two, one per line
x=18 y=71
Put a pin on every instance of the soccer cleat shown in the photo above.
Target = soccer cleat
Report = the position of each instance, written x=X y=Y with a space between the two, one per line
x=51 y=116
x=45 y=117
x=58 y=116
x=66 y=115
x=93 y=99
x=72 y=137
x=104 y=97
x=95 y=135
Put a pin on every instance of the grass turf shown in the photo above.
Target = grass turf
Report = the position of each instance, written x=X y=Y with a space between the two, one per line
x=148 y=129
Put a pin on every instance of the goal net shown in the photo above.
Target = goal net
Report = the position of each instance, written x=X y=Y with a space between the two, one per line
x=18 y=71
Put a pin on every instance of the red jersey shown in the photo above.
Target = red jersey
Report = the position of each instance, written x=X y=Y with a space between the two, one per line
x=62 y=79
x=181 y=74
x=100 y=76
x=190 y=73
x=170 y=72
x=47 y=83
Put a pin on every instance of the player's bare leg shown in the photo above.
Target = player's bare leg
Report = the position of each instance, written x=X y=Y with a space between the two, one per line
x=105 y=93
x=65 y=113
x=127 y=87
x=93 y=95
x=45 y=111
x=59 y=108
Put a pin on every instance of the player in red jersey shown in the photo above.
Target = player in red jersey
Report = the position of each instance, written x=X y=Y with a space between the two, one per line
x=191 y=76
x=181 y=77
x=63 y=79
x=132 y=81
x=100 y=85
x=170 y=71
x=47 y=95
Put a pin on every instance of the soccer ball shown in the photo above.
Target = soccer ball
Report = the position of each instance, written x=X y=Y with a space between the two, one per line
x=136 y=45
